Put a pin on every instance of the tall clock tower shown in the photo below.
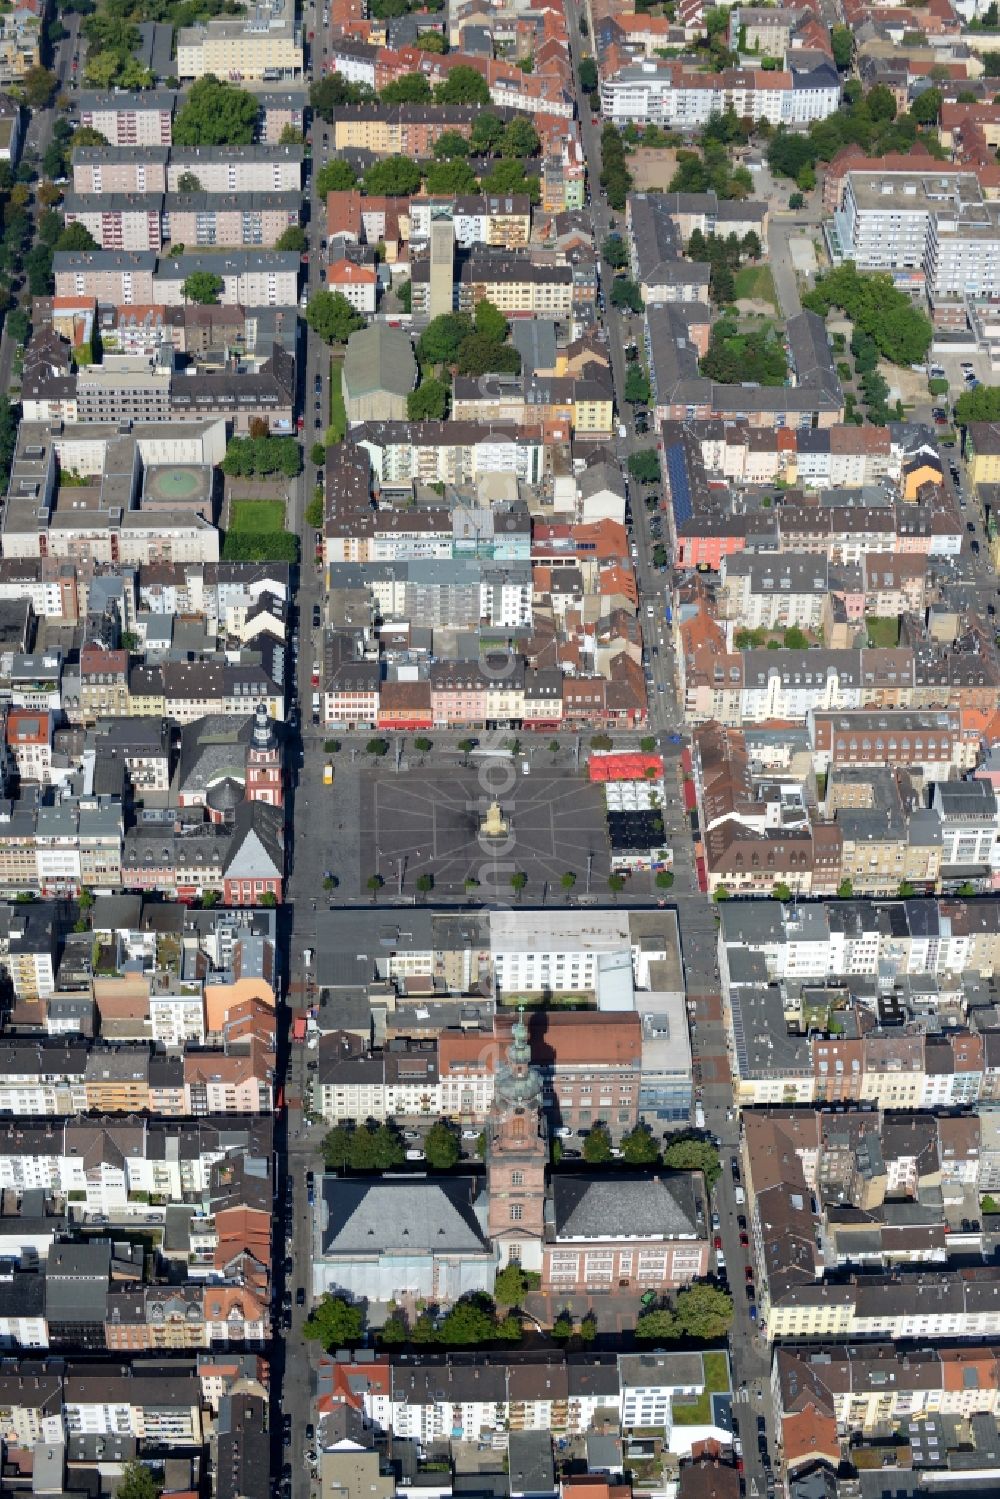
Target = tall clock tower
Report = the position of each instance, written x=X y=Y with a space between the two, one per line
x=264 y=779
x=517 y=1153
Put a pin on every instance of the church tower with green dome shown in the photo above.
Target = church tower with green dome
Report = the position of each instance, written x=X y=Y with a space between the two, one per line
x=517 y=1154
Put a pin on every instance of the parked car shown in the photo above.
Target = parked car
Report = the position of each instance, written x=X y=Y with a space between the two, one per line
x=300 y=1296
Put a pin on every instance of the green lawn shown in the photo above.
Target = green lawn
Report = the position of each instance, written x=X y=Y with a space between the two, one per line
x=757 y=283
x=883 y=631
x=257 y=516
x=716 y=1372
x=338 y=411
x=698 y=1412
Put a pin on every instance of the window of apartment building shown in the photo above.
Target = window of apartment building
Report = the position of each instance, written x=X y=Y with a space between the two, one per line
x=515 y=1212
x=517 y=1178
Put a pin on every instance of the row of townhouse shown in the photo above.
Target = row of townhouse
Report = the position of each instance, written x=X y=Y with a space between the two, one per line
x=763 y=591
x=66 y=1075
x=146 y=118
x=147 y=220
x=402 y=129
x=102 y=170
x=469 y=693
x=59 y=849
x=501 y=220
x=431 y=452
x=585 y=404
x=821 y=686
x=591 y=1071
x=883 y=492
x=35 y=1317
x=663 y=92
x=923 y=1304
x=828 y=1394
x=175 y=1401
x=250 y=277
x=863 y=938
x=134 y=1166
x=480 y=1395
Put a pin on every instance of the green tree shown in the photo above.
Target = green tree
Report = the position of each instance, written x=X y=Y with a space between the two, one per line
x=845 y=889
x=411 y=88
x=451 y=146
x=979 y=405
x=616 y=884
x=664 y=879
x=625 y=293
x=335 y=177
x=332 y=92
x=795 y=639
x=332 y=317
x=597 y=1145
x=450 y=179
x=392 y=177
x=901 y=333
x=518 y=881
x=335 y=1323
x=644 y=466
x=926 y=107
x=615 y=251
x=317 y=454
x=202 y=287
x=442 y=338
x=393 y=1331
x=703 y=1311
x=187 y=182
x=76 y=237
x=374 y=884
x=422 y=743
x=404 y=294
x=377 y=747
x=486 y=135
x=479 y=355
x=636 y=384
x=688 y=1153
x=462 y=86
x=216 y=114
x=562 y=1327
x=512 y=1284
x=639 y=1148
x=292 y=238
x=387 y=1148
x=658 y=1325
x=966 y=889
x=429 y=402
x=588 y=75
x=906 y=890
x=432 y=41
x=336 y=1147
x=490 y=321
x=781 y=892
x=471 y=1322
x=315 y=512
x=442 y=1149
x=842 y=42
x=39 y=86
x=137 y=1482
x=425 y=883
x=291 y=136
x=567 y=880
x=520 y=139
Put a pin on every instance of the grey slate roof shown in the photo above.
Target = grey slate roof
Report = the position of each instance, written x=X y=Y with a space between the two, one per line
x=401 y=1215
x=610 y=1207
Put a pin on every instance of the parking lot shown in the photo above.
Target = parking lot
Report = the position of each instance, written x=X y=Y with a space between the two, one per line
x=426 y=822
